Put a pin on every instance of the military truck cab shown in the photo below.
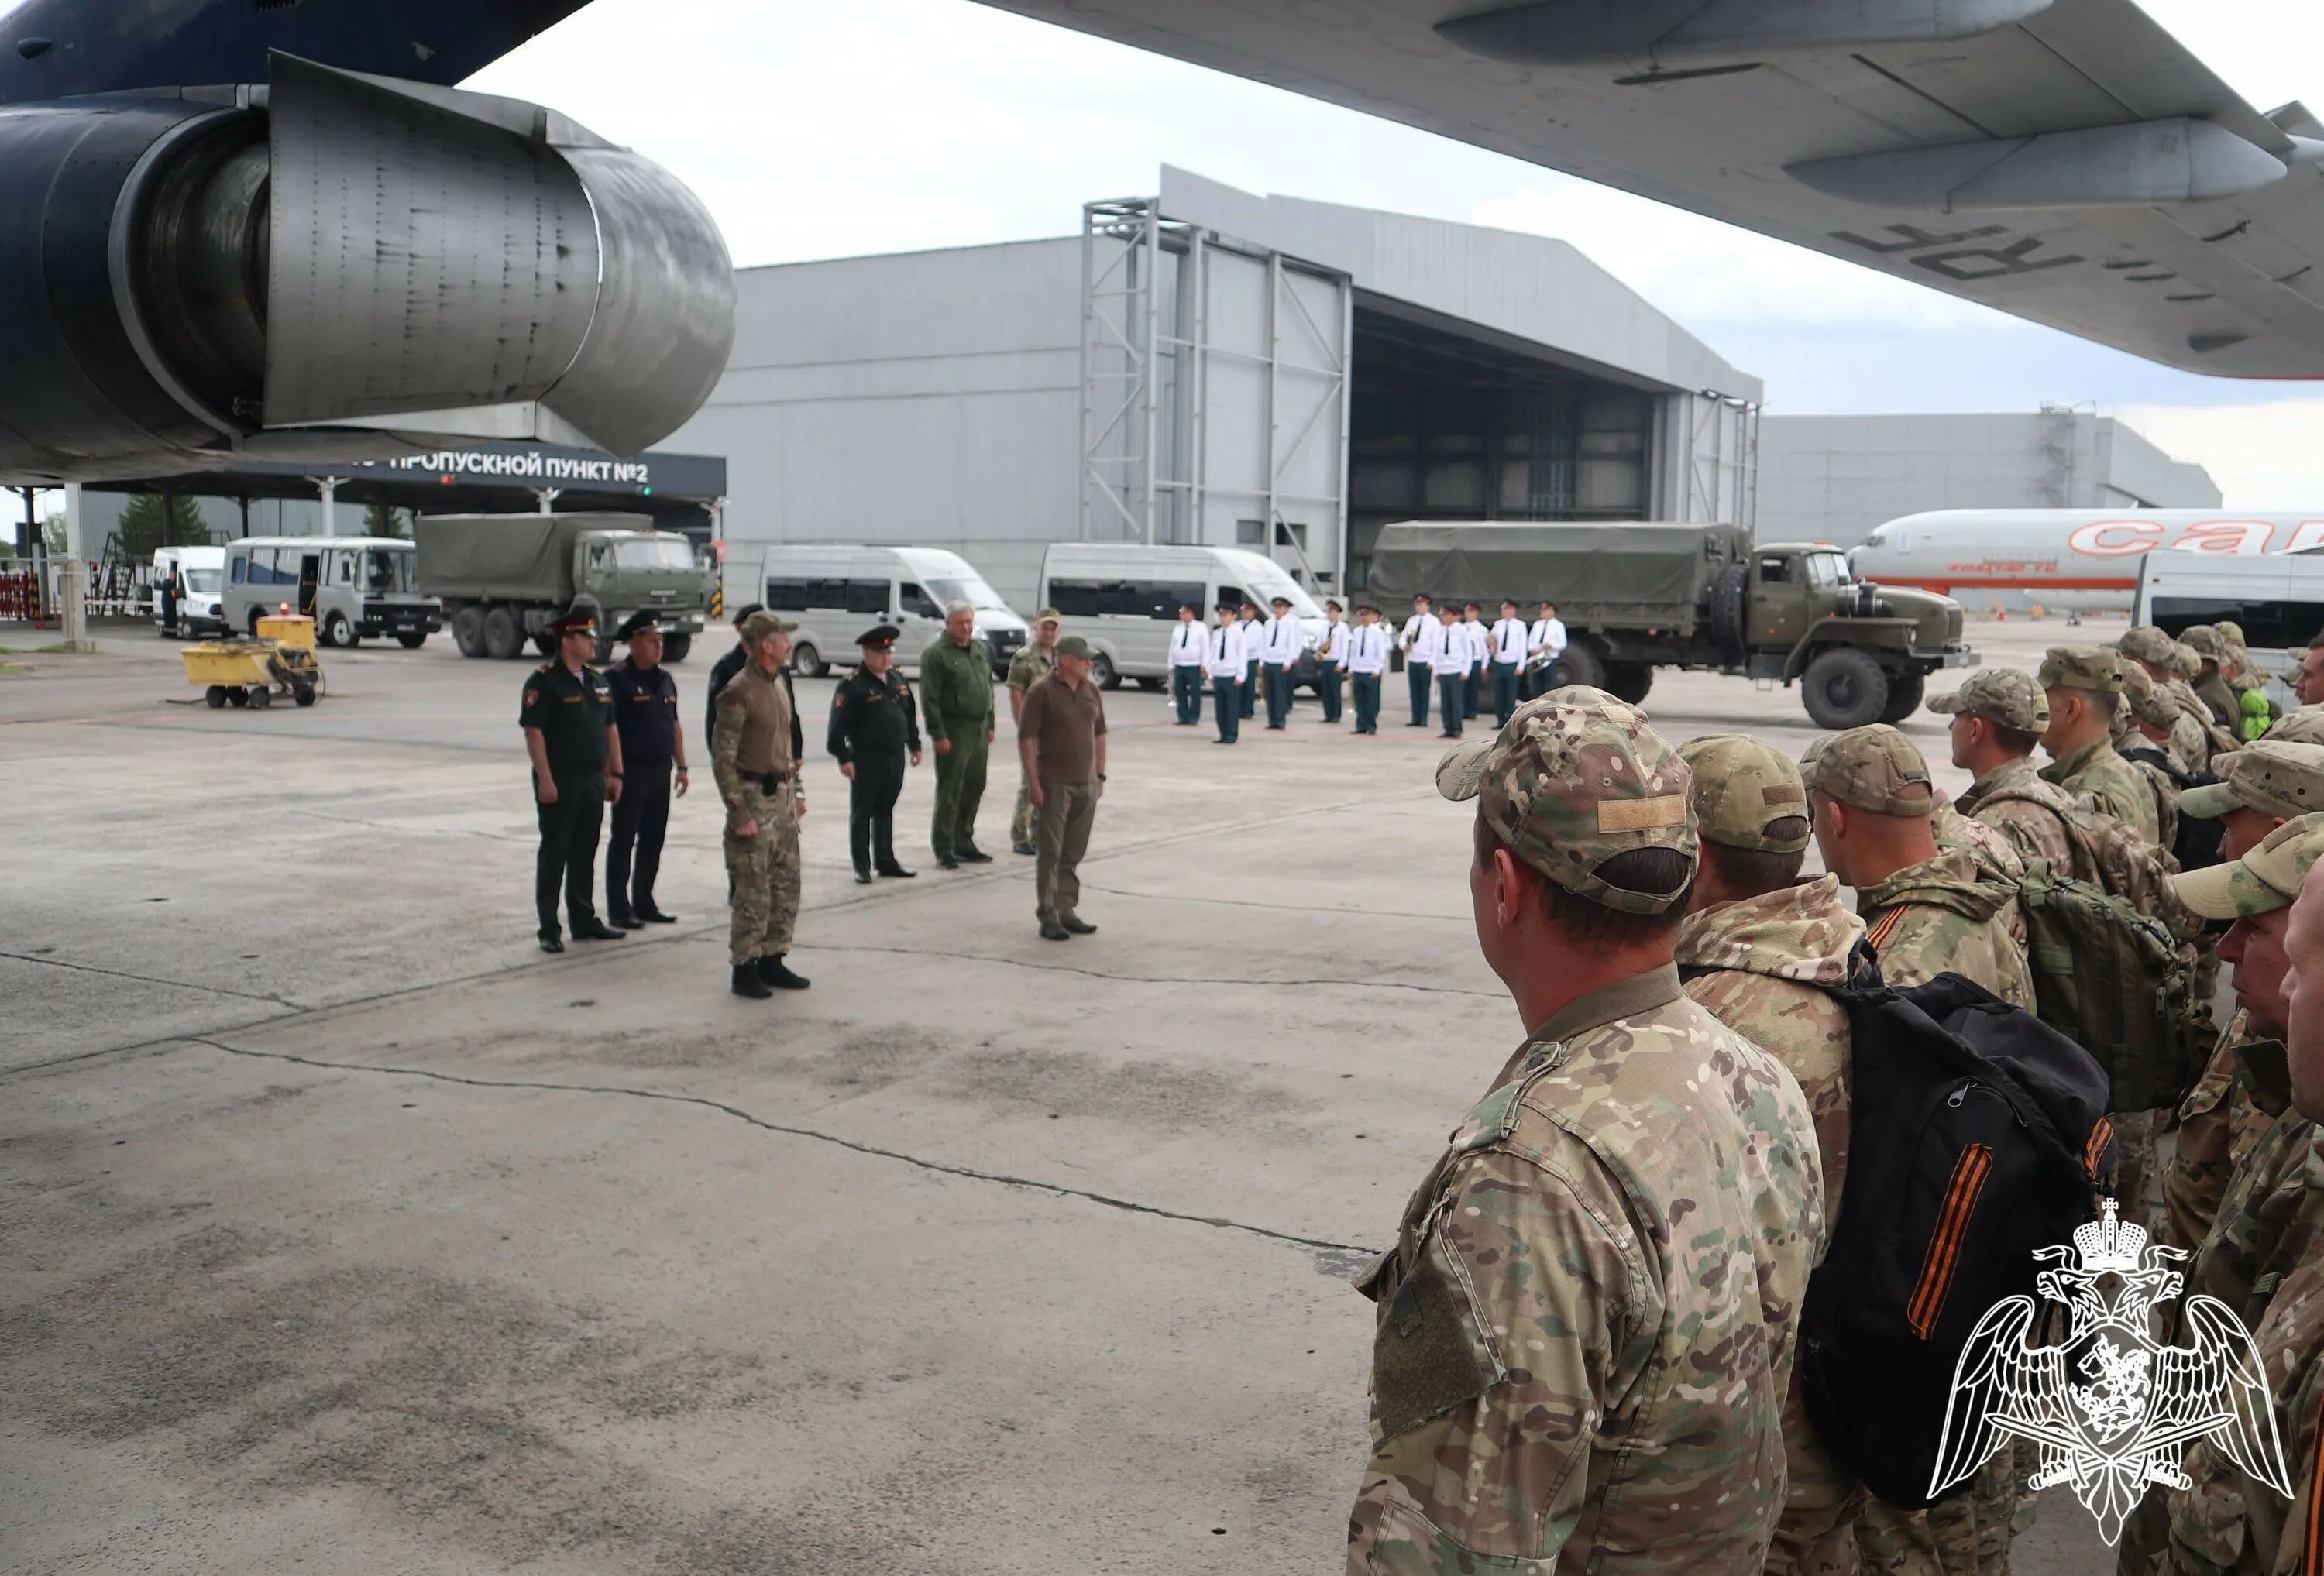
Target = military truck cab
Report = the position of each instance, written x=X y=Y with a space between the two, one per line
x=1861 y=651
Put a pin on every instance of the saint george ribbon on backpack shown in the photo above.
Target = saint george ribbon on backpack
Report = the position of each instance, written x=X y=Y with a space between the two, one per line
x=2109 y=947
x=1977 y=1133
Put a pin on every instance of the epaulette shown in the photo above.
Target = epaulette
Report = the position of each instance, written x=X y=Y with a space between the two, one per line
x=1495 y=1117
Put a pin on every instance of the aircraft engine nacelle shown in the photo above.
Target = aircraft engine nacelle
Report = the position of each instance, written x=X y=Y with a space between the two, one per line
x=338 y=266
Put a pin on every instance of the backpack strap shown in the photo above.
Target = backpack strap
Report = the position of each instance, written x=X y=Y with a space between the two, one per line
x=1689 y=971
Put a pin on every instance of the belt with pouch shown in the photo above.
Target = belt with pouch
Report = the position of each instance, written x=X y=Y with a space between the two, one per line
x=767 y=782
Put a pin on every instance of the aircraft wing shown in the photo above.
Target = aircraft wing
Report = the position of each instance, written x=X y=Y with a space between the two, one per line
x=2066 y=161
x=54 y=49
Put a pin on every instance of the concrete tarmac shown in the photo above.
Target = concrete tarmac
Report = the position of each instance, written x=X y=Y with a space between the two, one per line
x=344 y=1230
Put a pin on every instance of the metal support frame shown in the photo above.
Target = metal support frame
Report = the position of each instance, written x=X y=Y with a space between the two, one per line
x=1133 y=483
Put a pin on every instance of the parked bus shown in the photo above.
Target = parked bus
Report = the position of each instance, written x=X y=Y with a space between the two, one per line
x=354 y=587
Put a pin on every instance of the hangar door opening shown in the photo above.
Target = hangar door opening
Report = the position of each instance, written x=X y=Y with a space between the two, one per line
x=1451 y=425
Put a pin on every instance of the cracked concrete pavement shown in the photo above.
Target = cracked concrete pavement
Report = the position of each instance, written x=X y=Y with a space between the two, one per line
x=344 y=1230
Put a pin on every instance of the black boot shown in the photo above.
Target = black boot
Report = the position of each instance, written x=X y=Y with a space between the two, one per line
x=862 y=876
x=748 y=984
x=771 y=971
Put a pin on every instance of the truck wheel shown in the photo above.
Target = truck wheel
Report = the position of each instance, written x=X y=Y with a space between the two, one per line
x=1628 y=681
x=806 y=662
x=674 y=648
x=411 y=640
x=468 y=630
x=1581 y=663
x=1101 y=673
x=1728 y=598
x=502 y=639
x=1844 y=689
x=1904 y=696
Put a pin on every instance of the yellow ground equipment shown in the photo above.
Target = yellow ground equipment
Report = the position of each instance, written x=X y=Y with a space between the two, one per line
x=252 y=673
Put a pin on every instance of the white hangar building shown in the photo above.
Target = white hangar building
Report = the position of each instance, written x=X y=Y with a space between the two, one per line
x=1211 y=366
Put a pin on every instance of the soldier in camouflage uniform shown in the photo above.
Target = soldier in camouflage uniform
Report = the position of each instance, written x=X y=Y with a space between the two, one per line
x=2149 y=720
x=1761 y=950
x=1586 y=1324
x=1998 y=715
x=2219 y=697
x=758 y=779
x=2263 y=784
x=2084 y=687
x=1930 y=911
x=2263 y=1256
x=2304 y=727
x=1036 y=662
x=2158 y=656
x=2243 y=1091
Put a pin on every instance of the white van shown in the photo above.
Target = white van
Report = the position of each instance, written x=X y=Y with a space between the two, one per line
x=350 y=586
x=1124 y=598
x=834 y=593
x=2278 y=598
x=202 y=572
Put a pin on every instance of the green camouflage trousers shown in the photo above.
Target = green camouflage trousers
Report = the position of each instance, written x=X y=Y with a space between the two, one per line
x=2135 y=1168
x=765 y=871
x=1020 y=825
x=1967 y=1534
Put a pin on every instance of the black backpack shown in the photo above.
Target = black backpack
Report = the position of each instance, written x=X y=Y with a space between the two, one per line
x=1975 y=1133
x=2196 y=843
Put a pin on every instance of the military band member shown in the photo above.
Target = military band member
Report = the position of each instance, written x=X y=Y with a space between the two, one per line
x=1452 y=660
x=874 y=727
x=577 y=767
x=653 y=744
x=1547 y=634
x=1366 y=664
x=1187 y=653
x=1225 y=663
x=1509 y=638
x=1254 y=641
x=1419 y=643
x=1331 y=658
x=1278 y=652
x=759 y=781
x=1478 y=640
x=1036 y=662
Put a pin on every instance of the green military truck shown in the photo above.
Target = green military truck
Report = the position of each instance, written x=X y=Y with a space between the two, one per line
x=502 y=577
x=1635 y=597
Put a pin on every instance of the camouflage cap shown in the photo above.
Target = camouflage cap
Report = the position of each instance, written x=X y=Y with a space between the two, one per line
x=2203 y=640
x=2006 y=695
x=1576 y=777
x=2230 y=632
x=1049 y=616
x=2149 y=701
x=2262 y=881
x=2304 y=727
x=2146 y=643
x=2191 y=660
x=763 y=624
x=1875 y=769
x=2270 y=775
x=2096 y=668
x=1742 y=787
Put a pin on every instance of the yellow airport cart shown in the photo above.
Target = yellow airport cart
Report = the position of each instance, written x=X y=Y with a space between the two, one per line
x=252 y=673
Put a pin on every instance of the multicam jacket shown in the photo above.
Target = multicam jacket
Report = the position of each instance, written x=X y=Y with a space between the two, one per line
x=2231 y=1107
x=2265 y=1258
x=2012 y=799
x=1947 y=914
x=2107 y=783
x=1774 y=961
x=1585 y=1328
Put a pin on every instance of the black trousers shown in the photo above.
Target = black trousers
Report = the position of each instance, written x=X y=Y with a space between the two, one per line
x=641 y=818
x=871 y=811
x=568 y=847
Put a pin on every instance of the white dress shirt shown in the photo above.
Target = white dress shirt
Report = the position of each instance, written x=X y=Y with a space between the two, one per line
x=1509 y=640
x=1454 y=654
x=1224 y=650
x=1479 y=640
x=1368 y=649
x=1254 y=636
x=1287 y=637
x=1421 y=646
x=1548 y=635
x=1331 y=642
x=1187 y=645
x=1417 y=630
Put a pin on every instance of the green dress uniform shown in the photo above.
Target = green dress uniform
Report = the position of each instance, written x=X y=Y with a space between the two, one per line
x=573 y=712
x=956 y=704
x=1026 y=669
x=874 y=728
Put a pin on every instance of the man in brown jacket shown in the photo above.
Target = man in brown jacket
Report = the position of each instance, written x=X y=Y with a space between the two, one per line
x=1061 y=738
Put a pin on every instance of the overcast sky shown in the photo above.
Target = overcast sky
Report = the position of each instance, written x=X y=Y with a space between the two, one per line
x=823 y=130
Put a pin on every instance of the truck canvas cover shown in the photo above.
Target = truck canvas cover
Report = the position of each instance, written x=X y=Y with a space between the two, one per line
x=1576 y=565
x=515 y=556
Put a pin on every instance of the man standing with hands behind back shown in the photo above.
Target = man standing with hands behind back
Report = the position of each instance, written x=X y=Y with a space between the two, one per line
x=956 y=709
x=577 y=767
x=1061 y=738
x=645 y=712
x=758 y=779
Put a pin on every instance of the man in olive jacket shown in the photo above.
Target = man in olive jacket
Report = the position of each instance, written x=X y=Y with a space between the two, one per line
x=956 y=707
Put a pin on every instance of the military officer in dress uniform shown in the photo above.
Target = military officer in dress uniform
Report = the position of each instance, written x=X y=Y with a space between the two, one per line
x=874 y=725
x=577 y=767
x=645 y=713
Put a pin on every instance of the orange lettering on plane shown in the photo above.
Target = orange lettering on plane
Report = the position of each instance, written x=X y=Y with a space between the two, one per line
x=2093 y=538
x=2226 y=535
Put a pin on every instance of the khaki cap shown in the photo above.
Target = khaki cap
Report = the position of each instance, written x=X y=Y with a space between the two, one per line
x=2203 y=640
x=1074 y=646
x=2191 y=660
x=1576 y=777
x=2270 y=775
x=2262 y=881
x=763 y=624
x=2304 y=727
x=2096 y=668
x=2146 y=643
x=1049 y=616
x=2149 y=701
x=1999 y=695
x=1741 y=787
x=2230 y=632
x=1875 y=769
